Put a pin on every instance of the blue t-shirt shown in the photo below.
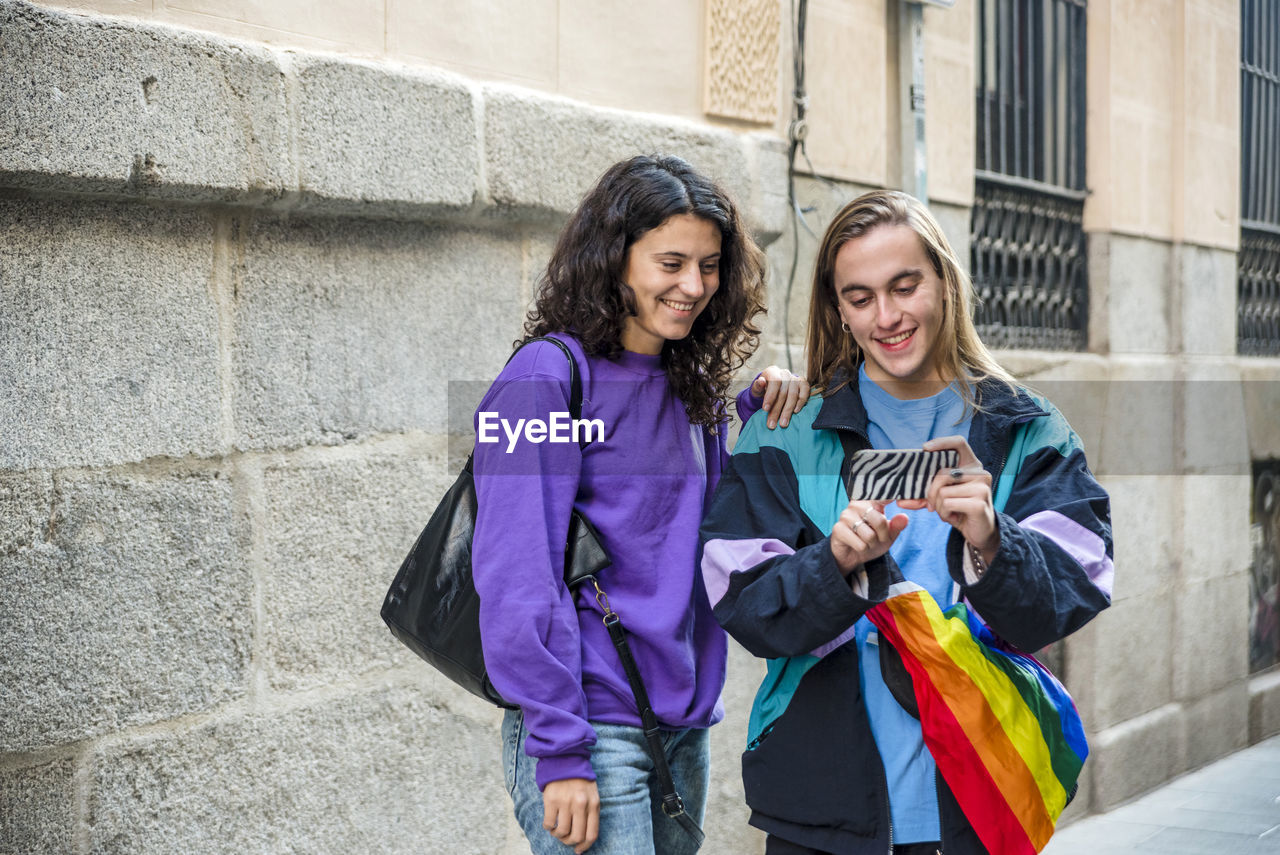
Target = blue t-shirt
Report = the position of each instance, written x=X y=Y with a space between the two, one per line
x=921 y=555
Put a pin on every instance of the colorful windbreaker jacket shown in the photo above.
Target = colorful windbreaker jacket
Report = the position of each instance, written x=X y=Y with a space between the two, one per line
x=811 y=771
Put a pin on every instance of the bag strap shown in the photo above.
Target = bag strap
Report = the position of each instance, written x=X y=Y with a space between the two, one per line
x=672 y=804
x=575 y=386
x=575 y=381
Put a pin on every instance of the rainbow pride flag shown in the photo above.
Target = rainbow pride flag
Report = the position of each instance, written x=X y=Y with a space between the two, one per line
x=1003 y=731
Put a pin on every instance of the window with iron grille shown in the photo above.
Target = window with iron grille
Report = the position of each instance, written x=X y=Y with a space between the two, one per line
x=1258 y=264
x=1027 y=240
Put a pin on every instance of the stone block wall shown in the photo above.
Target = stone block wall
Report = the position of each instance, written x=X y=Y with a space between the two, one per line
x=236 y=286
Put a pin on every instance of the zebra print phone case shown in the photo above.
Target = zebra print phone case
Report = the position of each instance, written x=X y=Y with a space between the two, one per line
x=889 y=474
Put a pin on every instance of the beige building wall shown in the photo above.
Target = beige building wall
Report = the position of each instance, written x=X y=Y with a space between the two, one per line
x=1164 y=120
x=950 y=79
x=852 y=78
x=847 y=75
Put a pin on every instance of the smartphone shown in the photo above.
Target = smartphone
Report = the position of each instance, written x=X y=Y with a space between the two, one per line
x=890 y=474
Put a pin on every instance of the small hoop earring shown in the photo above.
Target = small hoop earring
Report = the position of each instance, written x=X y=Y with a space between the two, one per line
x=845 y=327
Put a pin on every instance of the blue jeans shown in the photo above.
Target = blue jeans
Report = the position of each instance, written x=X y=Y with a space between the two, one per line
x=631 y=817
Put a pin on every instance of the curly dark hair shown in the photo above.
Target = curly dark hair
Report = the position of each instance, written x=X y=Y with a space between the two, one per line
x=582 y=291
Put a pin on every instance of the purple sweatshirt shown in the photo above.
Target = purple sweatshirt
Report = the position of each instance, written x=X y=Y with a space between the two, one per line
x=643 y=484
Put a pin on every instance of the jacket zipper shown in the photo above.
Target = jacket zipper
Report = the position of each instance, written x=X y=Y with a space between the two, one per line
x=853 y=430
x=862 y=437
x=937 y=794
x=1006 y=441
x=888 y=808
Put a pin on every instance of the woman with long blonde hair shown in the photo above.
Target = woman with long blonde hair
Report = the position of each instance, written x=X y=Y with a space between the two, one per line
x=835 y=762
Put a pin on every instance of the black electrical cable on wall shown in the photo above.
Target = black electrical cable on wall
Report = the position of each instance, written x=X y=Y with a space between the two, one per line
x=797 y=130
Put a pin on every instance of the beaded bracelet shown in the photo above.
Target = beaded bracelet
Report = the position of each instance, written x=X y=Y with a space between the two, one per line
x=976 y=557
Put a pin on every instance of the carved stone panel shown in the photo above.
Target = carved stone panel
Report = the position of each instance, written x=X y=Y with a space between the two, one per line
x=742 y=59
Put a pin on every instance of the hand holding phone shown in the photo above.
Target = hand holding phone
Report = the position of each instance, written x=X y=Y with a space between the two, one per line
x=890 y=474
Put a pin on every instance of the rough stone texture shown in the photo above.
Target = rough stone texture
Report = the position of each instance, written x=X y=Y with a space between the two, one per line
x=108 y=335
x=767 y=207
x=514 y=842
x=348 y=328
x=1076 y=383
x=537 y=251
x=1145 y=524
x=727 y=812
x=1143 y=392
x=542 y=153
x=1209 y=651
x=166 y=113
x=326 y=574
x=398 y=141
x=1136 y=282
x=1132 y=672
x=386 y=771
x=1264 y=706
x=1216 y=724
x=1133 y=757
x=106 y=106
x=1078 y=663
x=1261 y=391
x=1098 y=259
x=37 y=808
x=1228 y=552
x=25 y=503
x=135 y=610
x=1208 y=285
x=1215 y=435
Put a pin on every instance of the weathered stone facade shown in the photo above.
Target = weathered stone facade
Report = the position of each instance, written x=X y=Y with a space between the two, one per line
x=236 y=284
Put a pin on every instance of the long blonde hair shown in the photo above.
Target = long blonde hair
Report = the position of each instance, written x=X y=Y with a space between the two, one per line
x=960 y=355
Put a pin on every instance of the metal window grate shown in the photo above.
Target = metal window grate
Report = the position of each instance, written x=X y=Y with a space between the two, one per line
x=1026 y=234
x=1260 y=114
x=1258 y=312
x=1031 y=90
x=1028 y=262
x=1258 y=264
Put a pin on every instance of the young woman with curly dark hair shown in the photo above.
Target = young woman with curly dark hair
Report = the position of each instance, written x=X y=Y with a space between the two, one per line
x=653 y=286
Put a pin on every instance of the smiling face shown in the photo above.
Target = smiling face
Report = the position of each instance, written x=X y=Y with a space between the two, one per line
x=674 y=271
x=893 y=301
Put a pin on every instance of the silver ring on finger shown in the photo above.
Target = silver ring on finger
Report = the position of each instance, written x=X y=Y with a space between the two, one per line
x=870 y=509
